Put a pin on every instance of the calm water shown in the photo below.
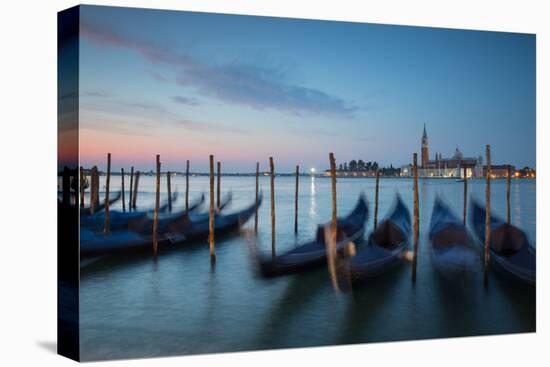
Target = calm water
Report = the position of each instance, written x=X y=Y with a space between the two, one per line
x=179 y=305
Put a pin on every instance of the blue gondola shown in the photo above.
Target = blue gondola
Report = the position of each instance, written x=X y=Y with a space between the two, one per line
x=385 y=246
x=451 y=252
x=313 y=253
x=172 y=232
x=101 y=206
x=510 y=251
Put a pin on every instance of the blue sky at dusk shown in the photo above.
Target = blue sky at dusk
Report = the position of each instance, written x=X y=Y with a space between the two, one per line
x=186 y=85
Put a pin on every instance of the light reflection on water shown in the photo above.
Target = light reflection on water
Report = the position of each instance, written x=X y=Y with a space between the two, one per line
x=180 y=305
x=312 y=202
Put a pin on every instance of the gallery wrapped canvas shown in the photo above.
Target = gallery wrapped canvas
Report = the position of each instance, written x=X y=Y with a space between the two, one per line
x=236 y=183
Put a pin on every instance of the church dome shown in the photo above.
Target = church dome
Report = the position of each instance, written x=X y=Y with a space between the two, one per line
x=458 y=154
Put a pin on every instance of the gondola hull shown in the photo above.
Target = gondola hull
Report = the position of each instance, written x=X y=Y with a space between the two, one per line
x=510 y=251
x=88 y=211
x=125 y=220
x=454 y=263
x=176 y=233
x=385 y=247
x=451 y=252
x=313 y=254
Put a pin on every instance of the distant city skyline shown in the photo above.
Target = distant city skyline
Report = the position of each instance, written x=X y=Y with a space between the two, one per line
x=185 y=85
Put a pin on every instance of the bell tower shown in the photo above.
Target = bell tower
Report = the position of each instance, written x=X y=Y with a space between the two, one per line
x=424 y=150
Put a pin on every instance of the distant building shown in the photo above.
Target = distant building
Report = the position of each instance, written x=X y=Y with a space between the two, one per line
x=446 y=167
x=424 y=150
x=526 y=172
x=500 y=171
x=407 y=170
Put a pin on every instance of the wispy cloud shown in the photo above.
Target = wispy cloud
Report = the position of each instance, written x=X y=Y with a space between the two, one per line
x=158 y=77
x=88 y=93
x=250 y=85
x=140 y=116
x=185 y=100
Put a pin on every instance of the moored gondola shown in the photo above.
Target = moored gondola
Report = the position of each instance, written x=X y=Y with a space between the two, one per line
x=101 y=206
x=172 y=232
x=195 y=227
x=313 y=253
x=125 y=220
x=385 y=245
x=510 y=251
x=451 y=251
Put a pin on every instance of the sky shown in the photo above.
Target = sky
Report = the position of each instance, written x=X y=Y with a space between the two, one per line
x=186 y=85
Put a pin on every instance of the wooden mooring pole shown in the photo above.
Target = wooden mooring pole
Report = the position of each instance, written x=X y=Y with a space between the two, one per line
x=81 y=187
x=107 y=186
x=272 y=185
x=257 y=197
x=131 y=188
x=169 y=189
x=332 y=238
x=211 y=213
x=376 y=198
x=465 y=195
x=94 y=190
x=187 y=186
x=156 y=211
x=296 y=200
x=218 y=187
x=487 y=209
x=136 y=185
x=416 y=216
x=96 y=198
x=508 y=181
x=122 y=189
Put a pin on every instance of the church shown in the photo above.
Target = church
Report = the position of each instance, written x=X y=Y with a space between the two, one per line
x=445 y=167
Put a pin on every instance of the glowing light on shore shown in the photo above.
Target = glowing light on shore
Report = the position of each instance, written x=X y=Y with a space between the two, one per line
x=312 y=170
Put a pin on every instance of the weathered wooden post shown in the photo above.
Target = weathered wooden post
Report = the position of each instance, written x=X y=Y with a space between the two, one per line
x=91 y=189
x=272 y=184
x=211 y=213
x=131 y=188
x=508 y=179
x=218 y=187
x=107 y=184
x=296 y=201
x=376 y=198
x=331 y=240
x=122 y=189
x=156 y=211
x=487 y=209
x=465 y=195
x=169 y=189
x=257 y=198
x=136 y=185
x=94 y=190
x=81 y=187
x=416 y=216
x=187 y=186
x=97 y=186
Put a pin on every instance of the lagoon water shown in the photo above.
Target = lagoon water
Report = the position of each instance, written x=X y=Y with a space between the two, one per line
x=178 y=304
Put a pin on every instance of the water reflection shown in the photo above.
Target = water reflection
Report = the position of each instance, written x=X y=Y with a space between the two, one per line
x=313 y=200
x=516 y=219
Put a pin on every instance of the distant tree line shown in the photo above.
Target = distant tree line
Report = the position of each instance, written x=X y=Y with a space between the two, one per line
x=362 y=166
x=358 y=165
